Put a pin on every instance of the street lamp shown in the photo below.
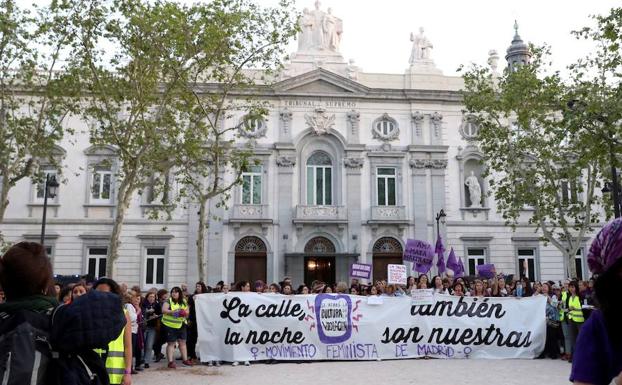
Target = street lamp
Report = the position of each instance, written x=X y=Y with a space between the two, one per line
x=609 y=188
x=51 y=189
x=440 y=218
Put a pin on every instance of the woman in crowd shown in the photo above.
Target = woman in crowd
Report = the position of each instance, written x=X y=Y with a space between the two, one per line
x=243 y=286
x=574 y=315
x=199 y=288
x=478 y=290
x=493 y=290
x=503 y=290
x=598 y=353
x=259 y=286
x=139 y=345
x=458 y=289
x=78 y=290
x=341 y=288
x=527 y=290
x=423 y=282
x=275 y=288
x=160 y=340
x=437 y=285
x=287 y=289
x=537 y=288
x=151 y=311
x=128 y=299
x=551 y=347
x=175 y=313
x=411 y=284
x=303 y=289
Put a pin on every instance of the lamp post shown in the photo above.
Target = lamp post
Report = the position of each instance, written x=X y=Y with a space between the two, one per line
x=440 y=218
x=51 y=189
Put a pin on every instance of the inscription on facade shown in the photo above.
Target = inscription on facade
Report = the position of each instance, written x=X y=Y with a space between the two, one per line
x=319 y=103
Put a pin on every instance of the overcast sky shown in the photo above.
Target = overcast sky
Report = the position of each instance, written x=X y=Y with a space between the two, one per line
x=377 y=33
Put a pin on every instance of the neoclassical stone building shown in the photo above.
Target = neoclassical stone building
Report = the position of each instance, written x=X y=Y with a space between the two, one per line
x=351 y=164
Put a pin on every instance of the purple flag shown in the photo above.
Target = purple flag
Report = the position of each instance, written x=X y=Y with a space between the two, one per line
x=460 y=271
x=440 y=253
x=487 y=271
x=452 y=261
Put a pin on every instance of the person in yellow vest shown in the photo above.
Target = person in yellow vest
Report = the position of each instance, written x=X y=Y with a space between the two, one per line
x=119 y=354
x=174 y=318
x=574 y=315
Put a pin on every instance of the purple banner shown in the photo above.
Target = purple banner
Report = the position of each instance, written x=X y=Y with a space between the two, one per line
x=360 y=270
x=419 y=252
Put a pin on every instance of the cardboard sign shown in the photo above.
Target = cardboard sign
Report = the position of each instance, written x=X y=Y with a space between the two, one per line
x=360 y=270
x=422 y=296
x=419 y=252
x=397 y=274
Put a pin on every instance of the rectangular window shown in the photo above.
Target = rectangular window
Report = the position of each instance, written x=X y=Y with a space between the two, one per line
x=101 y=187
x=578 y=260
x=475 y=256
x=154 y=270
x=527 y=263
x=40 y=186
x=96 y=261
x=251 y=186
x=385 y=186
x=319 y=185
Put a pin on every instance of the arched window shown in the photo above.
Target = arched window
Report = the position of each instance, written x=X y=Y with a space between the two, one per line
x=319 y=179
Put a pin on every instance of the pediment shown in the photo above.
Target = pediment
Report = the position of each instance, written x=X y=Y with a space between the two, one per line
x=321 y=82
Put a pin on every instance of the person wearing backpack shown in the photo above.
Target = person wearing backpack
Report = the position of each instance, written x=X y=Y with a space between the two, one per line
x=42 y=342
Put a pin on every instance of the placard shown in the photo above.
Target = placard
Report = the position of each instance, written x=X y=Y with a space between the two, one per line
x=360 y=270
x=397 y=274
x=422 y=296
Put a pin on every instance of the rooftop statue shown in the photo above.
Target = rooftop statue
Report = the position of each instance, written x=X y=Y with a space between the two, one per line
x=319 y=30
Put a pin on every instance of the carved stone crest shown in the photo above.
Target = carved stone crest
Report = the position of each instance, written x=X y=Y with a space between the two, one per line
x=385 y=128
x=285 y=161
x=252 y=128
x=320 y=122
x=353 y=162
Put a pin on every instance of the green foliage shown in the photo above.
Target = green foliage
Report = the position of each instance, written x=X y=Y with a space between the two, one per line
x=36 y=93
x=548 y=142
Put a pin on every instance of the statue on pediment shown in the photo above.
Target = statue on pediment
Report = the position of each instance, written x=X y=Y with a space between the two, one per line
x=319 y=30
x=422 y=47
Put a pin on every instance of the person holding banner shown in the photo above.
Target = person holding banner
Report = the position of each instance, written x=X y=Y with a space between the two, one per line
x=598 y=352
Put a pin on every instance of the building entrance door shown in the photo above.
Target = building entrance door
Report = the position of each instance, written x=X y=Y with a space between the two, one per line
x=250 y=260
x=319 y=261
x=320 y=269
x=386 y=251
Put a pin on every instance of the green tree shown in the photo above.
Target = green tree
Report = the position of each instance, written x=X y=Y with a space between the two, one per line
x=239 y=49
x=130 y=102
x=36 y=94
x=539 y=161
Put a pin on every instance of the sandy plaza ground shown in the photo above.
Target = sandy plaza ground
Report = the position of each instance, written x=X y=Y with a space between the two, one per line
x=417 y=371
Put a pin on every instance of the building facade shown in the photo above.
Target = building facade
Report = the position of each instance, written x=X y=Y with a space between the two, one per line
x=350 y=165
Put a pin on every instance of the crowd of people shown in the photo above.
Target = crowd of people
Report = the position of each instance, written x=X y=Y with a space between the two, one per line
x=160 y=318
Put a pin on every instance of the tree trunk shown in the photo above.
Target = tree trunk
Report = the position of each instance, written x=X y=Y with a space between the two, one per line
x=571 y=270
x=4 y=194
x=201 y=239
x=123 y=202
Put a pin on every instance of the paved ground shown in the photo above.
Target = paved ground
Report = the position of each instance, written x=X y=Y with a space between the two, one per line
x=419 y=372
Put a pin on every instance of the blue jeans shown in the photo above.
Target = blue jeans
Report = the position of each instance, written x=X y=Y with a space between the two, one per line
x=150 y=334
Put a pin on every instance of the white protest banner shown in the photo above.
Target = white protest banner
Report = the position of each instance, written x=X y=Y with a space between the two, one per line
x=248 y=326
x=397 y=274
x=422 y=296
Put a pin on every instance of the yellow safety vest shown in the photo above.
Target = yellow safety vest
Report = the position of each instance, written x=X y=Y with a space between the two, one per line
x=170 y=320
x=562 y=314
x=575 y=315
x=115 y=357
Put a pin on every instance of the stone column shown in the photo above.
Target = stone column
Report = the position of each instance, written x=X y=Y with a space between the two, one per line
x=354 y=163
x=285 y=121
x=354 y=119
x=285 y=208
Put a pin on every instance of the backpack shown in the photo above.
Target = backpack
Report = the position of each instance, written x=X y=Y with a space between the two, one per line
x=25 y=350
x=27 y=356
